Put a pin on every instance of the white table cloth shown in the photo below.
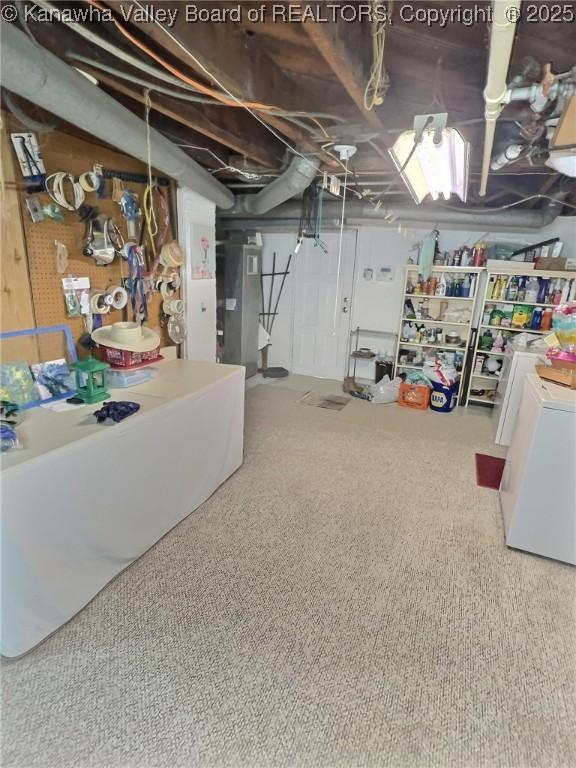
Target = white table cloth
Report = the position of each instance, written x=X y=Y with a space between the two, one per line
x=82 y=500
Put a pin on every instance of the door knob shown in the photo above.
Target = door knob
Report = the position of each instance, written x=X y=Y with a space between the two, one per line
x=344 y=309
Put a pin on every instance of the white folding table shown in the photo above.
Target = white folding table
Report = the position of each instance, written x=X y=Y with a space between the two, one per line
x=83 y=500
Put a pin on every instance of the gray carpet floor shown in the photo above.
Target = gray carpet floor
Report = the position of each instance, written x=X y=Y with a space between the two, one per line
x=344 y=600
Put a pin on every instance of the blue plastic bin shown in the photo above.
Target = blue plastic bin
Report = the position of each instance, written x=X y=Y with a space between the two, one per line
x=443 y=399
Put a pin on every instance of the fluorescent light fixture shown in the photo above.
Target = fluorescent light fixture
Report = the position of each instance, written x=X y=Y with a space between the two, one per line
x=438 y=166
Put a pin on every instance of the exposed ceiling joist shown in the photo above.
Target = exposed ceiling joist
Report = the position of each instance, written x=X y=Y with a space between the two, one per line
x=224 y=51
x=301 y=138
x=544 y=189
x=195 y=118
x=342 y=57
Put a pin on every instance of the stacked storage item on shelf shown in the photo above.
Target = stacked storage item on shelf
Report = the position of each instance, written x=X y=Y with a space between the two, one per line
x=436 y=319
x=435 y=330
x=515 y=302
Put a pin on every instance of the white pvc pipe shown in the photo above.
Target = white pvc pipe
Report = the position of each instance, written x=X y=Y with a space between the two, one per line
x=506 y=14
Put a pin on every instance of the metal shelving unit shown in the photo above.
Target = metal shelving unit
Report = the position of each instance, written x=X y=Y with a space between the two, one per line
x=352 y=355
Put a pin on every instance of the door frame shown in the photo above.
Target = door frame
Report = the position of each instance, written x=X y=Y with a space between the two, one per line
x=192 y=209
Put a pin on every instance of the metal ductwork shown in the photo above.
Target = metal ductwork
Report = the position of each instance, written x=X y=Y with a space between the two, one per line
x=358 y=212
x=299 y=175
x=41 y=77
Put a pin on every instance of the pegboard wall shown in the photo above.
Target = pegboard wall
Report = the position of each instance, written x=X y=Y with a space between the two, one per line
x=63 y=152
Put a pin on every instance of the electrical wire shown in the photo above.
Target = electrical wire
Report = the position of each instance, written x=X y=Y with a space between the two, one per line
x=319 y=124
x=148 y=200
x=160 y=75
x=246 y=105
x=183 y=80
x=167 y=66
x=378 y=81
x=137 y=63
x=337 y=296
x=225 y=166
x=245 y=174
x=189 y=94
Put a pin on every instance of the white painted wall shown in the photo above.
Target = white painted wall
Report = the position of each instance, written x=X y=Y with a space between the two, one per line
x=376 y=305
x=199 y=295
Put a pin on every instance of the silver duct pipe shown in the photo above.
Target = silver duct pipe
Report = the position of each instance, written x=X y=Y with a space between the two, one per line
x=299 y=175
x=360 y=212
x=41 y=77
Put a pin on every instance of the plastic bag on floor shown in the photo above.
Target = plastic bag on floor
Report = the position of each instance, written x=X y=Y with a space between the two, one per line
x=385 y=391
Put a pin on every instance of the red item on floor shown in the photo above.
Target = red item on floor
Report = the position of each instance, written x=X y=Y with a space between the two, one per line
x=489 y=471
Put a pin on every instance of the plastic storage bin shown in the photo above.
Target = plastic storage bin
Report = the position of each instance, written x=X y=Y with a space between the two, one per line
x=119 y=379
x=443 y=399
x=122 y=358
x=414 y=396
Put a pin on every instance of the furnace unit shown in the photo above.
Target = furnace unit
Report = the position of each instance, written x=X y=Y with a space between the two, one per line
x=239 y=297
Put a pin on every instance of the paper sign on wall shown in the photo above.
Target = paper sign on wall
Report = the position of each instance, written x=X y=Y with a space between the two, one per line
x=385 y=274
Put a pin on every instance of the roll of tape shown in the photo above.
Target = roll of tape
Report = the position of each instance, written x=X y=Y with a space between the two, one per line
x=169 y=285
x=166 y=289
x=173 y=306
x=175 y=280
x=117 y=297
x=89 y=181
x=177 y=329
x=98 y=305
x=171 y=255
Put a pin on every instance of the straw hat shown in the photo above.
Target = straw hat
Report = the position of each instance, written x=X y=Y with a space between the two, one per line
x=129 y=336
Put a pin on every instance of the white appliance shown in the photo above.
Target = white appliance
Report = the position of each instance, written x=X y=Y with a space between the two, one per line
x=509 y=390
x=538 y=487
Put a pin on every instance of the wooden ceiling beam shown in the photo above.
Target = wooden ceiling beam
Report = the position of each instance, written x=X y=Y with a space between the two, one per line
x=302 y=140
x=181 y=135
x=192 y=117
x=225 y=52
x=238 y=131
x=544 y=189
x=342 y=57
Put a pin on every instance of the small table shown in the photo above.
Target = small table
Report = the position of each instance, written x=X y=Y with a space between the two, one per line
x=83 y=500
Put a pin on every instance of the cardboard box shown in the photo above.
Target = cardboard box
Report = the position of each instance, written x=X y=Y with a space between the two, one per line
x=550 y=263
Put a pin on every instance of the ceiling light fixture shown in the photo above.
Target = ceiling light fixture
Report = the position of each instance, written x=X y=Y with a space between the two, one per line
x=432 y=159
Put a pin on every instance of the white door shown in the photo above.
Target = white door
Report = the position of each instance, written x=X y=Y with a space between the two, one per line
x=196 y=218
x=323 y=307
